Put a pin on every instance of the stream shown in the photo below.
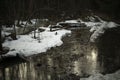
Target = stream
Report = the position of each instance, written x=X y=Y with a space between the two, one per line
x=74 y=59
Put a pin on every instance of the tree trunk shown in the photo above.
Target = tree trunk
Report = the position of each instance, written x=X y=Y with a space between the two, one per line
x=1 y=39
x=3 y=74
x=35 y=29
x=14 y=33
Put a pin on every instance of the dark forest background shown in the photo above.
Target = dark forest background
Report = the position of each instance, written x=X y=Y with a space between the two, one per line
x=11 y=10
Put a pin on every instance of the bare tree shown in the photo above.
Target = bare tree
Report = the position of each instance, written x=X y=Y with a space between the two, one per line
x=35 y=27
x=1 y=49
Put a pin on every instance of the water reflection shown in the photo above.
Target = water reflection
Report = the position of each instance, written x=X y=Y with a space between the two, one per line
x=50 y=61
x=94 y=55
x=51 y=68
x=94 y=63
x=76 y=68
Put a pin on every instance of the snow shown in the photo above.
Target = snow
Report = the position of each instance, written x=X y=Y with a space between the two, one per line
x=6 y=30
x=111 y=25
x=33 y=21
x=98 y=76
x=28 y=46
x=100 y=29
x=96 y=28
x=90 y=23
x=5 y=33
x=71 y=21
x=26 y=23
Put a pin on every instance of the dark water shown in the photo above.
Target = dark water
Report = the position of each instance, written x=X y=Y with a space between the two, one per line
x=76 y=58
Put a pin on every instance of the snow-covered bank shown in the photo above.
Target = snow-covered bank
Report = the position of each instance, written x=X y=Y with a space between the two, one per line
x=27 y=45
x=100 y=29
x=96 y=28
x=113 y=76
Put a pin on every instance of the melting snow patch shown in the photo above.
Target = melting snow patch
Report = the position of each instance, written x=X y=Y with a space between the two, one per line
x=71 y=21
x=28 y=45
